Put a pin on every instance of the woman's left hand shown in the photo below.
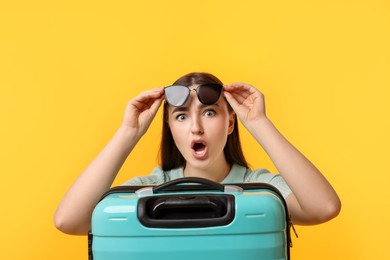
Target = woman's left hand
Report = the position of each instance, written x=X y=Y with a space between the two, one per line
x=313 y=200
x=246 y=101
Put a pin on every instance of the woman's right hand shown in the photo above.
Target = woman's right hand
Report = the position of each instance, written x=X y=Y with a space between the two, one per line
x=73 y=215
x=141 y=110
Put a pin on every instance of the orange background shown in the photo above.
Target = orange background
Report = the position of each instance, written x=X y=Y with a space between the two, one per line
x=67 y=70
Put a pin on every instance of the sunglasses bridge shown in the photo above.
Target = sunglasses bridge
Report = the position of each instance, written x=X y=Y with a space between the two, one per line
x=207 y=94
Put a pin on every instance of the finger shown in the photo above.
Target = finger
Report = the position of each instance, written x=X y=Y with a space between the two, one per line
x=237 y=86
x=147 y=98
x=239 y=94
x=156 y=104
x=243 y=90
x=152 y=93
x=231 y=100
x=240 y=87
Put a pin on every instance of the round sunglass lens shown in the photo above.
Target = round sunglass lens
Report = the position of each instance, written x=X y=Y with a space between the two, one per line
x=176 y=95
x=209 y=94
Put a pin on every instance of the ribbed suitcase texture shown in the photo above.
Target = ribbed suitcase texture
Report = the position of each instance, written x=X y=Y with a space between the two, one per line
x=191 y=218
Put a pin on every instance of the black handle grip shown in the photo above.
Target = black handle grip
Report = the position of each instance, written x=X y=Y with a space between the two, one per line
x=186 y=210
x=187 y=207
x=204 y=184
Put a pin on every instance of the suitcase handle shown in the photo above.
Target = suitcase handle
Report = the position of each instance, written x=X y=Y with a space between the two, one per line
x=188 y=207
x=204 y=183
x=186 y=210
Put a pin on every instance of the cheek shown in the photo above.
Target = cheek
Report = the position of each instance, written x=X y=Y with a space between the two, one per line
x=177 y=132
x=217 y=131
x=222 y=122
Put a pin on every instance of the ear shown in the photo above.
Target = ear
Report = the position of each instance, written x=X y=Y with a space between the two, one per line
x=232 y=119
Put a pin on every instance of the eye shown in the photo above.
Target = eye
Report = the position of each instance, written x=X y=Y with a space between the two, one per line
x=181 y=117
x=209 y=113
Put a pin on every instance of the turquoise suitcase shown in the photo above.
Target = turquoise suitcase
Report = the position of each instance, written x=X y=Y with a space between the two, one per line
x=191 y=218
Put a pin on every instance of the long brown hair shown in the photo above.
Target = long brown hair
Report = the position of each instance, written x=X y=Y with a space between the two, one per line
x=170 y=155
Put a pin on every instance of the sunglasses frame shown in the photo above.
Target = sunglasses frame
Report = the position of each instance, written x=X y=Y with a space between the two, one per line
x=218 y=87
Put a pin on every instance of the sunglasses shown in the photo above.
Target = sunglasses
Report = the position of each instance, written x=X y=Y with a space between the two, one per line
x=208 y=94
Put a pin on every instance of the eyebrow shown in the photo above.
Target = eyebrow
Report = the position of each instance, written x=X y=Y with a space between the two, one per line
x=186 y=108
x=179 y=109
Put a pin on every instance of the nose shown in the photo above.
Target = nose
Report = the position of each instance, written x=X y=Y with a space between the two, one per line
x=196 y=126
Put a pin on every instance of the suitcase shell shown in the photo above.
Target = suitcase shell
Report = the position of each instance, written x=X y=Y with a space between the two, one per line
x=205 y=220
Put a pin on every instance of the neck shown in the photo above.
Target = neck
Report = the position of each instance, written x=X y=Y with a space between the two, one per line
x=217 y=172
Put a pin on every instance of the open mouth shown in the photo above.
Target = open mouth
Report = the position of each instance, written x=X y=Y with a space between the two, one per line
x=199 y=148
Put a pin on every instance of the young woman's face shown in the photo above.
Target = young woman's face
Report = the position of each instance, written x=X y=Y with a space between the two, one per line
x=200 y=131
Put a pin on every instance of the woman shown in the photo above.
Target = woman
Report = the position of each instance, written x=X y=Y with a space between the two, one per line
x=200 y=139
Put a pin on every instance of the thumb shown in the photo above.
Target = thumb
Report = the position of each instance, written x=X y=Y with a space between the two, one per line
x=231 y=100
x=156 y=104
